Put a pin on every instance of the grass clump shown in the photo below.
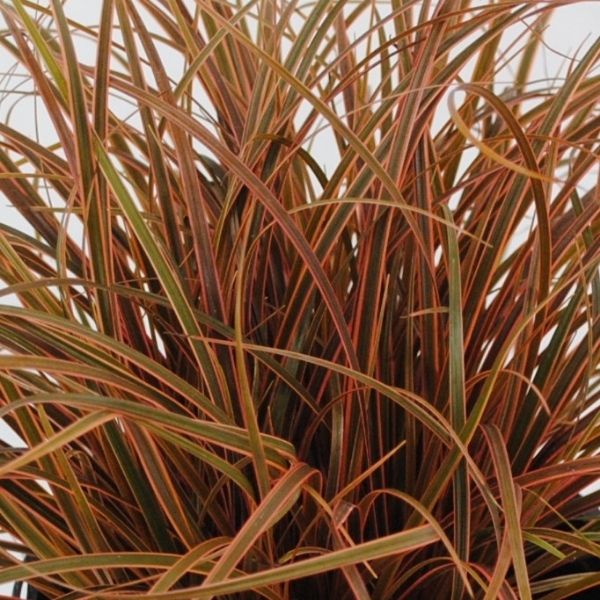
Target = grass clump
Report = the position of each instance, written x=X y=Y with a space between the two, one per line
x=236 y=373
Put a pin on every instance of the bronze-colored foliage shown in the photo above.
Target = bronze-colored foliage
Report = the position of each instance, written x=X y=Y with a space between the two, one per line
x=237 y=373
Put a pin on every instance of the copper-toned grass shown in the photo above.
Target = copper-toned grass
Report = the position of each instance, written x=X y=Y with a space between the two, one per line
x=237 y=372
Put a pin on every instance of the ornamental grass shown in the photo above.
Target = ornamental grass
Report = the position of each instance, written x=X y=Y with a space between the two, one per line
x=232 y=371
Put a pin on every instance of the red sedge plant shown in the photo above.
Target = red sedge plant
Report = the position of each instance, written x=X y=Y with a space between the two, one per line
x=234 y=373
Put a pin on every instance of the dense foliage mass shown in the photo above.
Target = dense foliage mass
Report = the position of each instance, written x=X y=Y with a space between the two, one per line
x=236 y=372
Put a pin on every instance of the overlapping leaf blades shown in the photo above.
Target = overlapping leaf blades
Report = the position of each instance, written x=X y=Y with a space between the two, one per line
x=252 y=376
